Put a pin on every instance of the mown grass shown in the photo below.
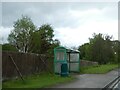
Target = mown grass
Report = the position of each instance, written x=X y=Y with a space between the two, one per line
x=36 y=81
x=99 y=69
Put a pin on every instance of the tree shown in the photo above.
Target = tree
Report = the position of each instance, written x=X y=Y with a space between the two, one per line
x=108 y=48
x=100 y=49
x=43 y=39
x=8 y=47
x=0 y=47
x=84 y=51
x=116 y=49
x=55 y=43
x=20 y=36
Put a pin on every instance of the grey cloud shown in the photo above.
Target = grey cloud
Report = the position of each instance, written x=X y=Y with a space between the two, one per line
x=54 y=13
x=37 y=11
x=0 y=13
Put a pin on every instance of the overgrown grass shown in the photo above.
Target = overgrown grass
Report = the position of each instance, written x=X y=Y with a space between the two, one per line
x=99 y=69
x=37 y=81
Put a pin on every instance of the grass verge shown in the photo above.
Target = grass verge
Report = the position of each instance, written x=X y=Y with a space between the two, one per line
x=100 y=69
x=37 y=81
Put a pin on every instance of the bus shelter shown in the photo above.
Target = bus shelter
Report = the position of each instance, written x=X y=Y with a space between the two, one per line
x=68 y=56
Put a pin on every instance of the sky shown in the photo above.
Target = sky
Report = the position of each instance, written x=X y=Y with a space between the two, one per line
x=73 y=22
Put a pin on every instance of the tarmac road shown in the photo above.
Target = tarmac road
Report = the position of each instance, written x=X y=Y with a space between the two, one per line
x=90 y=80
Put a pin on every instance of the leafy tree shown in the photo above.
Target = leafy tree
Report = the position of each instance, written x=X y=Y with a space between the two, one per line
x=100 y=49
x=83 y=51
x=109 y=51
x=0 y=47
x=118 y=53
x=55 y=43
x=20 y=37
x=8 y=47
x=46 y=32
x=116 y=48
x=26 y=38
x=43 y=39
x=36 y=42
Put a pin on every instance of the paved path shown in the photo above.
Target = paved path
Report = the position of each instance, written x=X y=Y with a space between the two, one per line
x=90 y=80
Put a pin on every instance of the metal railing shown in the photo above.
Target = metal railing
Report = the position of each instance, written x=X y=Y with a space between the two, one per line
x=111 y=85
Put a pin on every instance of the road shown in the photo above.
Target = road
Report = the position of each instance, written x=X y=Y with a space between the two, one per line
x=90 y=80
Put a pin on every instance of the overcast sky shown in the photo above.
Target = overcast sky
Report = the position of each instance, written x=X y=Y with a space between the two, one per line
x=73 y=23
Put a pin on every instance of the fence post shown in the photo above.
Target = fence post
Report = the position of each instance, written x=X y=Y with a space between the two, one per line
x=16 y=67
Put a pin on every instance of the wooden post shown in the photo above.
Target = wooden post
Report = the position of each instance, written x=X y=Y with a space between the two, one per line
x=45 y=65
x=16 y=68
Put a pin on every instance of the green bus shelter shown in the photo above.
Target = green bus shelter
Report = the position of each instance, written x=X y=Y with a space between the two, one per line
x=63 y=55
